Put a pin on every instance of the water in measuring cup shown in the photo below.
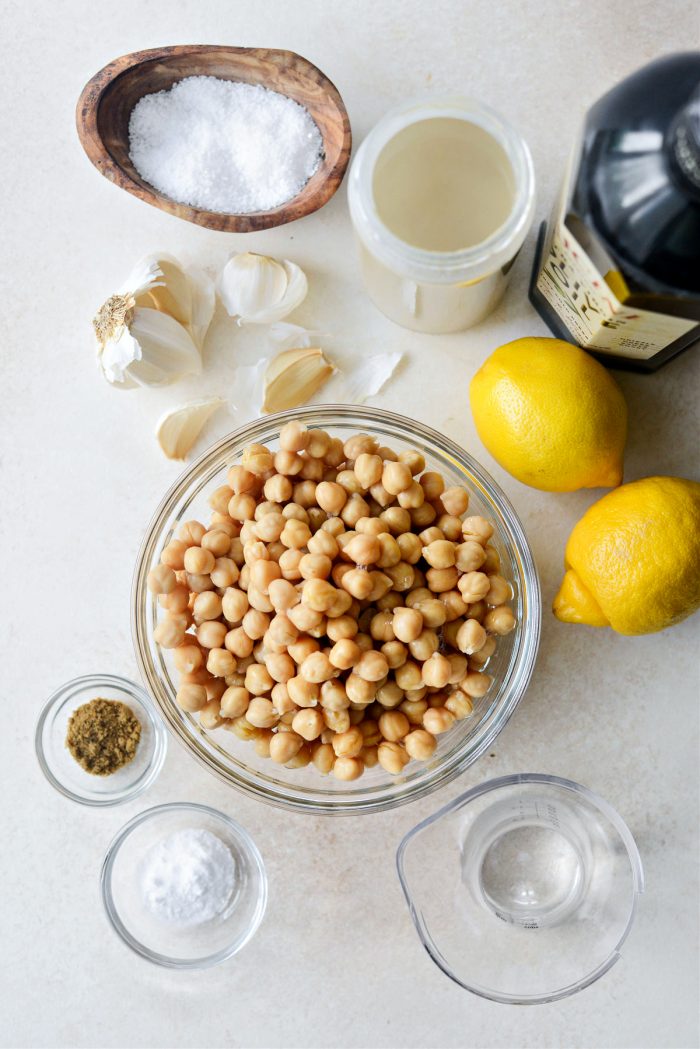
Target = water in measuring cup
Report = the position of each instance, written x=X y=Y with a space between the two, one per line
x=526 y=867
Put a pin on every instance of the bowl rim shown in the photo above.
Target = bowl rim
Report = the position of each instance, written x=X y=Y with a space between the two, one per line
x=249 y=847
x=87 y=124
x=320 y=415
x=496 y=784
x=160 y=737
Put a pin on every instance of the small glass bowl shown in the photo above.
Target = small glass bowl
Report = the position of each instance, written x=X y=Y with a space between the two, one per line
x=306 y=789
x=175 y=947
x=523 y=889
x=62 y=770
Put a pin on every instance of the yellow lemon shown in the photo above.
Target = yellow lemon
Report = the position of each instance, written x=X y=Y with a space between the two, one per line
x=551 y=415
x=633 y=560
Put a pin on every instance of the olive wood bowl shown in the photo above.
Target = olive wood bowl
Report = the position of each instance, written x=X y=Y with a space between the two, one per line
x=107 y=100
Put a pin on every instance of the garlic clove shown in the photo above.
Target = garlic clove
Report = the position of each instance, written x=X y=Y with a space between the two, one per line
x=116 y=357
x=178 y=429
x=160 y=351
x=293 y=376
x=203 y=305
x=258 y=289
x=159 y=282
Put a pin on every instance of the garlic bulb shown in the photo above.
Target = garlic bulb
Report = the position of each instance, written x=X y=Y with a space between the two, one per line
x=260 y=290
x=179 y=428
x=151 y=331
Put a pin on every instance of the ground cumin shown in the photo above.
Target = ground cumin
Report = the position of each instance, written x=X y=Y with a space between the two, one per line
x=103 y=735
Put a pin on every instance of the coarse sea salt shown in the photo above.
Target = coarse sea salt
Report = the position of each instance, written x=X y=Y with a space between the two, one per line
x=224 y=146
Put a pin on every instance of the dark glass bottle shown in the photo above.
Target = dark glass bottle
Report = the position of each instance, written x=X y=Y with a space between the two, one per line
x=618 y=266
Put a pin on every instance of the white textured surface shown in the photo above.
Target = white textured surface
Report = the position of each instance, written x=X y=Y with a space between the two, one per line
x=336 y=961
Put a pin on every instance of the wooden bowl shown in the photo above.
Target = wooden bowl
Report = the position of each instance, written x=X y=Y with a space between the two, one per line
x=106 y=102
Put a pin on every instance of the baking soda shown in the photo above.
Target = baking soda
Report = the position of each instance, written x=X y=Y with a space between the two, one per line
x=224 y=146
x=188 y=877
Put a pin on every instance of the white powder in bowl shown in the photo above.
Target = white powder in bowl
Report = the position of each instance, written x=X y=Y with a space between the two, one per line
x=224 y=146
x=187 y=878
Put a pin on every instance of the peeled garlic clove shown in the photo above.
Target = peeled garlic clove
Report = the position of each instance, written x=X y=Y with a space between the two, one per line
x=260 y=290
x=292 y=377
x=178 y=429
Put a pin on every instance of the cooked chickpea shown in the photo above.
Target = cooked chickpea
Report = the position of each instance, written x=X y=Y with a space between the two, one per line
x=477 y=529
x=161 y=580
x=308 y=723
x=234 y=702
x=420 y=744
x=191 y=533
x=284 y=746
x=499 y=591
x=304 y=693
x=283 y=595
x=500 y=621
x=392 y=757
x=318 y=594
x=471 y=636
x=331 y=496
x=437 y=720
x=474 y=586
x=348 y=768
x=349 y=743
x=234 y=605
x=459 y=704
x=210 y=715
x=199 y=561
x=207 y=605
x=289 y=564
x=261 y=713
x=187 y=658
x=269 y=529
x=221 y=662
x=396 y=477
x=393 y=725
x=482 y=657
x=224 y=573
x=470 y=556
x=344 y=654
x=323 y=758
x=336 y=720
x=433 y=611
x=317 y=668
x=368 y=469
x=170 y=631
x=294 y=437
x=255 y=623
x=441 y=579
x=216 y=541
x=408 y=676
x=295 y=534
x=173 y=555
x=414 y=709
x=436 y=671
x=372 y=666
x=476 y=684
x=410 y=547
x=440 y=554
x=191 y=697
x=363 y=549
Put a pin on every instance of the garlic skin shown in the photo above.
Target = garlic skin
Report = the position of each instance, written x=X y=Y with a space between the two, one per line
x=179 y=428
x=258 y=289
x=151 y=331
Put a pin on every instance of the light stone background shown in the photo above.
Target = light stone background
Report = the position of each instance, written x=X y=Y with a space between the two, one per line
x=336 y=961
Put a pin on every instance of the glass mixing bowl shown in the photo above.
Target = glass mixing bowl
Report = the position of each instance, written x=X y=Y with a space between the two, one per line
x=306 y=789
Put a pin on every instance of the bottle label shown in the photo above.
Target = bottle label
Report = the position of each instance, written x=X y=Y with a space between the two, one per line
x=587 y=305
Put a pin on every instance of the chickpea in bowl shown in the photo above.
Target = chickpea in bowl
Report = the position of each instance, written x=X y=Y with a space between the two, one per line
x=343 y=606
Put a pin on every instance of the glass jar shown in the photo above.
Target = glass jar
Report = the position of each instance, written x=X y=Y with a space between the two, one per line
x=441 y=195
x=304 y=789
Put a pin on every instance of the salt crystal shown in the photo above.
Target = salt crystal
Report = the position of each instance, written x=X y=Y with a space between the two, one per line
x=224 y=146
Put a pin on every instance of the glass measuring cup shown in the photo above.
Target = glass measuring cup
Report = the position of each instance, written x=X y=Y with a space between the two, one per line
x=524 y=889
